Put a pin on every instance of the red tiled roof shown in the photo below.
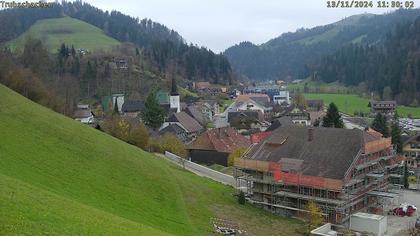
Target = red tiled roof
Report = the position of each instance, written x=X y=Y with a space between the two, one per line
x=257 y=97
x=221 y=140
x=258 y=137
x=371 y=135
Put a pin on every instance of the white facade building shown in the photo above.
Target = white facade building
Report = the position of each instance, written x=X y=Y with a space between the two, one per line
x=282 y=97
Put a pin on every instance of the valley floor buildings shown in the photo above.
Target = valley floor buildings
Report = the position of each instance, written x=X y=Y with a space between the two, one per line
x=343 y=171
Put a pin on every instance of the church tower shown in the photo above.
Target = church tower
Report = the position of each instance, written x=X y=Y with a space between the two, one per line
x=174 y=97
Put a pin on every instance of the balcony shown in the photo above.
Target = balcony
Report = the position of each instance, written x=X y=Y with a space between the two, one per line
x=308 y=197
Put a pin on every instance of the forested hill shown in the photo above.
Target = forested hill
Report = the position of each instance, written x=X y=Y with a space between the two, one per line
x=291 y=55
x=391 y=69
x=164 y=46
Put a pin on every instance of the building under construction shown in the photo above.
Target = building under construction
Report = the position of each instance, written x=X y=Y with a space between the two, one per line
x=343 y=171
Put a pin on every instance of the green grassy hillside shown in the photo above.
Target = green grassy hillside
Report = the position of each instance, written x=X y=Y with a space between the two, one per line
x=350 y=103
x=60 y=177
x=54 y=32
x=336 y=29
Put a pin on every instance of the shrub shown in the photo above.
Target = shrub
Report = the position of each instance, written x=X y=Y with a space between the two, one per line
x=241 y=198
x=170 y=143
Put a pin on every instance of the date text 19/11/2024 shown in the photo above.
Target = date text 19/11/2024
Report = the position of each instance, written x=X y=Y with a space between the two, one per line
x=370 y=4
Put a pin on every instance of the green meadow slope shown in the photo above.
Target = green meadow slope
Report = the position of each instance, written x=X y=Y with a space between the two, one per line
x=54 y=32
x=60 y=177
x=351 y=103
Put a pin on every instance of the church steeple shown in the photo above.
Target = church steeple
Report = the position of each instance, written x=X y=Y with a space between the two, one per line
x=174 y=89
x=174 y=97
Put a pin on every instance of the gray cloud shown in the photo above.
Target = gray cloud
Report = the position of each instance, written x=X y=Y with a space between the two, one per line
x=219 y=24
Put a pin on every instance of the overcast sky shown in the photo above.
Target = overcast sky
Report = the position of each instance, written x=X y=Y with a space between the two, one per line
x=219 y=24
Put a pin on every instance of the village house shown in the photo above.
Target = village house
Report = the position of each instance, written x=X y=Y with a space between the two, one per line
x=195 y=112
x=241 y=115
x=109 y=102
x=84 y=114
x=202 y=86
x=314 y=105
x=176 y=130
x=121 y=63
x=234 y=93
x=343 y=171
x=411 y=150
x=300 y=117
x=282 y=97
x=132 y=109
x=247 y=121
x=262 y=99
x=215 y=145
x=248 y=104
x=384 y=107
x=186 y=122
x=279 y=122
x=211 y=106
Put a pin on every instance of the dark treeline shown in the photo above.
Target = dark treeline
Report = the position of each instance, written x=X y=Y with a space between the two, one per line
x=160 y=44
x=391 y=69
x=24 y=81
x=16 y=21
x=61 y=80
x=285 y=56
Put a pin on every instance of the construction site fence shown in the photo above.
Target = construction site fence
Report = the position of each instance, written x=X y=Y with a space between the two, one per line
x=289 y=178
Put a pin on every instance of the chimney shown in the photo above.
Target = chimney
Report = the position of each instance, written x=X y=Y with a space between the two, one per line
x=310 y=134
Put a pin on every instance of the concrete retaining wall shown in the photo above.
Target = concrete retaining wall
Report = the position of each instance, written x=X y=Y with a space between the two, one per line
x=202 y=170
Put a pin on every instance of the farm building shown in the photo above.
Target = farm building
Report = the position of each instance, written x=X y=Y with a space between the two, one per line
x=342 y=171
x=215 y=145
x=384 y=107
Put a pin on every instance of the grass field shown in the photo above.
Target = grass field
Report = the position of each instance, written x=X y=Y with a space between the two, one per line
x=226 y=104
x=54 y=32
x=353 y=103
x=185 y=92
x=319 y=87
x=59 y=177
x=345 y=103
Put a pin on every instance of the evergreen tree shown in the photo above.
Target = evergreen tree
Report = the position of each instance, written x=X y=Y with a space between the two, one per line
x=75 y=67
x=396 y=134
x=62 y=51
x=241 y=198
x=380 y=124
x=406 y=175
x=36 y=57
x=333 y=117
x=153 y=114
x=89 y=76
x=73 y=52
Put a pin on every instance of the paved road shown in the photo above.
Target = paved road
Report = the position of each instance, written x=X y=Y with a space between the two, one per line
x=200 y=170
x=220 y=121
x=399 y=225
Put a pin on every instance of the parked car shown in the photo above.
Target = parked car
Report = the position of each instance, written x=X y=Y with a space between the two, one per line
x=404 y=210
x=417 y=222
